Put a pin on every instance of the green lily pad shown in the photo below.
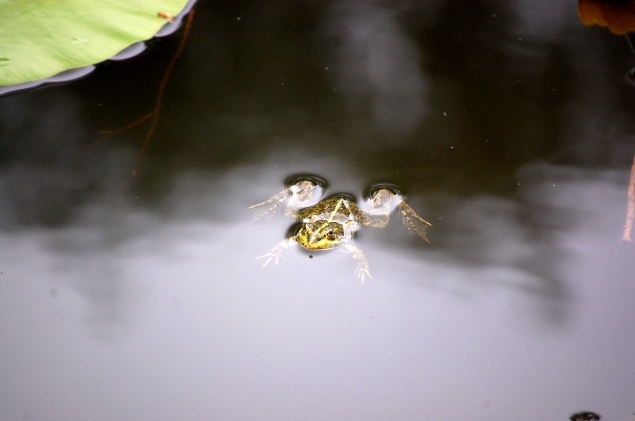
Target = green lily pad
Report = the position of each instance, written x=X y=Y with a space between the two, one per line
x=40 y=38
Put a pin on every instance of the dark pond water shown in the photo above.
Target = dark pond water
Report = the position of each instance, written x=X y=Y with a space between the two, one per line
x=509 y=126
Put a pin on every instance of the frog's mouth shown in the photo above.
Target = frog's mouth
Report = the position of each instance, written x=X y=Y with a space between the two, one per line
x=320 y=235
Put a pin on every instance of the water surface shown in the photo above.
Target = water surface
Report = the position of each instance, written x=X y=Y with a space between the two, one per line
x=137 y=297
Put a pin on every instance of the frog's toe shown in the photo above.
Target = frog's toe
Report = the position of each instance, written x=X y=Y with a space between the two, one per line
x=270 y=257
x=261 y=212
x=267 y=256
x=415 y=224
x=276 y=252
x=361 y=273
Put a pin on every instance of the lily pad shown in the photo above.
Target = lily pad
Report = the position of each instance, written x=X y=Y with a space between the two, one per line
x=41 y=38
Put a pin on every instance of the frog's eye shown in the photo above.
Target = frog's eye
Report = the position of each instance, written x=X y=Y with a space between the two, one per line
x=330 y=235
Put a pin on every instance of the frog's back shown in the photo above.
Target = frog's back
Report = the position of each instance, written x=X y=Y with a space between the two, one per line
x=333 y=209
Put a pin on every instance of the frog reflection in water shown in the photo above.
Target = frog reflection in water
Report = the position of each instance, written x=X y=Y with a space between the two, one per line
x=332 y=222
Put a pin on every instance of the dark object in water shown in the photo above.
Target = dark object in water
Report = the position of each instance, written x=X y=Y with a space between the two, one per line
x=585 y=416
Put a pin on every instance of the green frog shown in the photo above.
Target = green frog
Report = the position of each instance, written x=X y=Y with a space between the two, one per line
x=332 y=222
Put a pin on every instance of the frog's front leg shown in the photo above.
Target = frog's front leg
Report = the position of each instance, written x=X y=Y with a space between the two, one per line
x=274 y=254
x=414 y=223
x=362 y=270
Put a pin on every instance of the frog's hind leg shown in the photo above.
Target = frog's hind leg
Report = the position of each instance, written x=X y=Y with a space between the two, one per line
x=415 y=224
x=367 y=219
x=275 y=253
x=381 y=204
x=375 y=221
x=362 y=270
x=269 y=207
x=296 y=197
x=300 y=195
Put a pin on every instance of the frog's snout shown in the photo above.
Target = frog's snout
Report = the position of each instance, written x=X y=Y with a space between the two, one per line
x=315 y=237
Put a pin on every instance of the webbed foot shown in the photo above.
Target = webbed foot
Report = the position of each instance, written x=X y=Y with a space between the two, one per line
x=362 y=270
x=274 y=254
x=415 y=224
x=269 y=207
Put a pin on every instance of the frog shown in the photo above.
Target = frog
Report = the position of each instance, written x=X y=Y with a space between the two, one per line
x=332 y=222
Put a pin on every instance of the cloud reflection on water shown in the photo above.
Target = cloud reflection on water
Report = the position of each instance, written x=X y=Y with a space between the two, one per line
x=376 y=65
x=191 y=310
x=520 y=304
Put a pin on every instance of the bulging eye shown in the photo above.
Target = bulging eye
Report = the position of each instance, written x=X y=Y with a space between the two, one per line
x=330 y=235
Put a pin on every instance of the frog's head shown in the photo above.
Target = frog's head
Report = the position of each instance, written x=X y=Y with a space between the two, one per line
x=321 y=235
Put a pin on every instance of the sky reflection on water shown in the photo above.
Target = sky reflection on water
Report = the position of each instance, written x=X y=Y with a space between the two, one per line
x=179 y=311
x=140 y=298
